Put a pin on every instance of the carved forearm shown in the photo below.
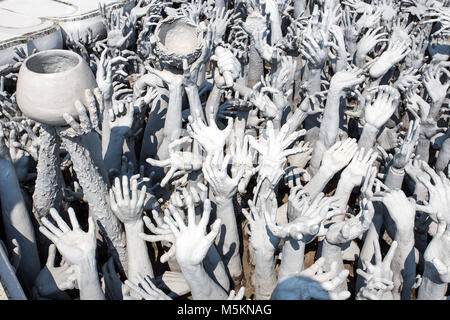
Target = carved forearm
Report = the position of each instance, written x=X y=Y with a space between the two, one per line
x=403 y=265
x=394 y=178
x=292 y=258
x=333 y=253
x=137 y=252
x=95 y=191
x=88 y=282
x=444 y=156
x=328 y=129
x=318 y=182
x=264 y=279
x=172 y=124
x=368 y=137
x=49 y=181
x=202 y=286
x=227 y=241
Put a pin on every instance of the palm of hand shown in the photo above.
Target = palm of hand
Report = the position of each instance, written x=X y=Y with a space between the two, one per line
x=336 y=159
x=382 y=108
x=261 y=238
x=129 y=211
x=355 y=171
x=212 y=139
x=76 y=246
x=345 y=79
x=52 y=280
x=401 y=209
x=191 y=245
x=266 y=105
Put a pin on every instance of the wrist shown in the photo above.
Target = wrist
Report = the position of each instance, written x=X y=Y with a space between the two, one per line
x=405 y=234
x=222 y=200
x=397 y=169
x=345 y=185
x=87 y=266
x=134 y=227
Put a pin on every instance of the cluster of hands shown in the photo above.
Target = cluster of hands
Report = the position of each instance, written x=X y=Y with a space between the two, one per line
x=306 y=149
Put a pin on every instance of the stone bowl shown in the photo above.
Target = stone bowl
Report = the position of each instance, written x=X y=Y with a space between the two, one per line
x=50 y=82
x=178 y=38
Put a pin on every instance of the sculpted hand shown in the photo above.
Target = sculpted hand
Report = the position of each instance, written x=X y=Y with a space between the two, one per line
x=404 y=154
x=307 y=224
x=215 y=171
x=339 y=155
x=88 y=121
x=395 y=52
x=378 y=112
x=407 y=80
x=261 y=238
x=161 y=232
x=146 y=289
x=228 y=68
x=315 y=50
x=273 y=148
x=191 y=240
x=76 y=246
x=378 y=276
x=178 y=161
x=52 y=280
x=242 y=160
x=346 y=79
x=211 y=138
x=401 y=209
x=369 y=40
x=342 y=232
x=432 y=81
x=439 y=195
x=126 y=209
x=358 y=167
x=105 y=73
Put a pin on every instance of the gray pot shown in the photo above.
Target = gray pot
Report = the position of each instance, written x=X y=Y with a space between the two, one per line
x=50 y=82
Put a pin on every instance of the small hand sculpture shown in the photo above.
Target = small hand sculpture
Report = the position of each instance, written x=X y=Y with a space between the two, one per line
x=395 y=52
x=52 y=281
x=342 y=232
x=210 y=137
x=242 y=160
x=76 y=246
x=215 y=171
x=191 y=240
x=228 y=68
x=161 y=232
x=127 y=209
x=178 y=161
x=273 y=149
x=378 y=277
x=358 y=167
x=146 y=289
x=405 y=152
x=88 y=121
x=339 y=155
x=376 y=113
x=306 y=225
